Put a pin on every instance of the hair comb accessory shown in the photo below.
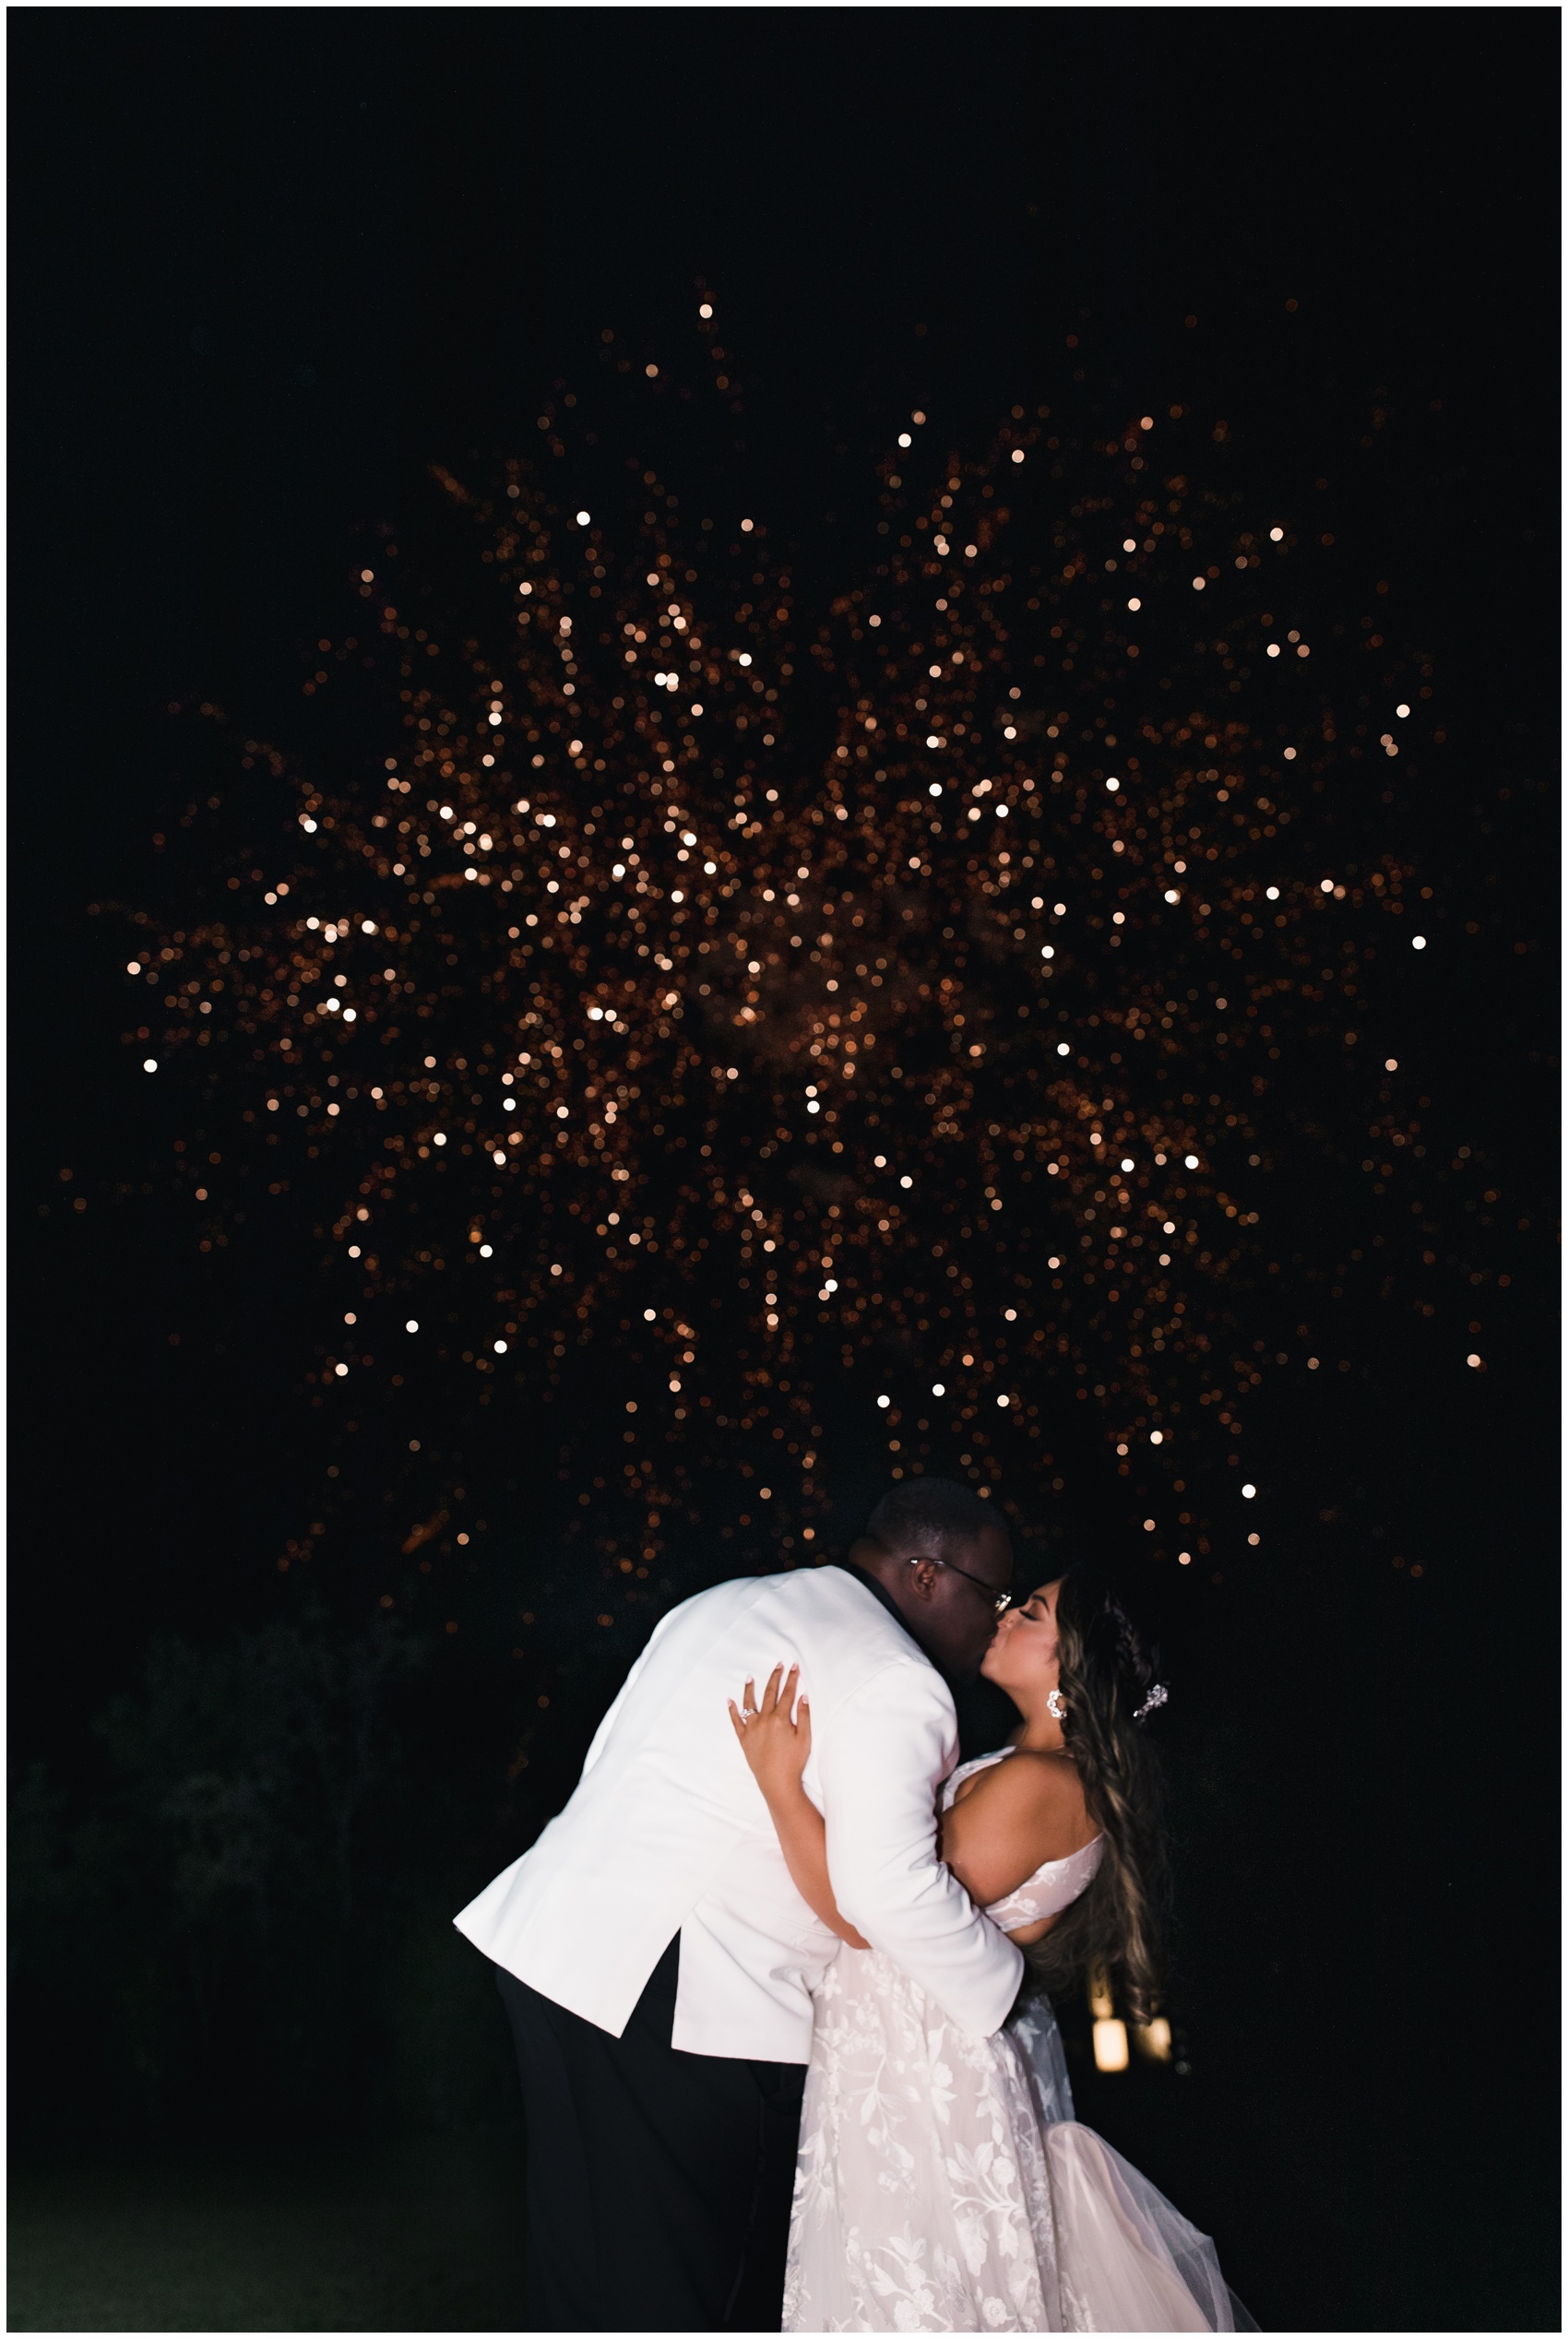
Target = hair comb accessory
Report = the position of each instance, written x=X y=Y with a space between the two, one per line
x=1159 y=1695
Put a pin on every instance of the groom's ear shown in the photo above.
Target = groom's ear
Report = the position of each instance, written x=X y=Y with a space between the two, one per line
x=923 y=1575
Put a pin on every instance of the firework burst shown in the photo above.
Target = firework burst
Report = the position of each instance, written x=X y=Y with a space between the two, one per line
x=766 y=1018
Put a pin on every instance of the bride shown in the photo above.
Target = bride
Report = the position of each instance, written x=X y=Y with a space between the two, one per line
x=943 y=2183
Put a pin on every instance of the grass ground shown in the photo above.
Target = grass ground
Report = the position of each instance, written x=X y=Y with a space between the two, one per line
x=1383 y=2211
x=418 y=2236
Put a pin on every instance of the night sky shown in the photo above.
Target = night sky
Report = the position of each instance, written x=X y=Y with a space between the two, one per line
x=299 y=300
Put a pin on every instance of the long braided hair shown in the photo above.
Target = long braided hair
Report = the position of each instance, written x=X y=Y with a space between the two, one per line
x=1105 y=1674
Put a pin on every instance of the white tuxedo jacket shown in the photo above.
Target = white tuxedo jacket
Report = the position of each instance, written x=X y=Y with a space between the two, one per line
x=667 y=1832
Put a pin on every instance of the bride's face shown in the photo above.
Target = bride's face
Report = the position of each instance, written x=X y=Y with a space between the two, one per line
x=1022 y=1658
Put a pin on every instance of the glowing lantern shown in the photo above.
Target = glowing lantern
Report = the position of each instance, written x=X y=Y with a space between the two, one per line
x=1110 y=2045
x=1154 y=2039
x=1110 y=2034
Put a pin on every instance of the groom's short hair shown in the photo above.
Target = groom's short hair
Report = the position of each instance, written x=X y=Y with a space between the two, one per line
x=930 y=1515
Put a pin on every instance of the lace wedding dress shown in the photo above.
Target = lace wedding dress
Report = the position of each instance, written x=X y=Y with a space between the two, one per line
x=943 y=2183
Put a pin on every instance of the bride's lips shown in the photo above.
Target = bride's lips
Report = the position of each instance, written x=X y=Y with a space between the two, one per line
x=1003 y=1628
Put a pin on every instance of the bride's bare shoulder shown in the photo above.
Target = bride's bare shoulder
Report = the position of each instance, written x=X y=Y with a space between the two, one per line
x=1040 y=1791
x=1025 y=1777
x=1051 y=1777
x=1021 y=1813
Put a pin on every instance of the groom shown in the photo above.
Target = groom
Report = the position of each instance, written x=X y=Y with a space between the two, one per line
x=657 y=1960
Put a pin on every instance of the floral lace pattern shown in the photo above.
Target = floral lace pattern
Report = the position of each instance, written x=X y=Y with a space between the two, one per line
x=944 y=2184
x=922 y=2201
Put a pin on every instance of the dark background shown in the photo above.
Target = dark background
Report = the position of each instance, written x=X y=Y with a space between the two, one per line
x=266 y=266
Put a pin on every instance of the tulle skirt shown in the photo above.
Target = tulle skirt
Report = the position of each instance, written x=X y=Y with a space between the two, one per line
x=943 y=2185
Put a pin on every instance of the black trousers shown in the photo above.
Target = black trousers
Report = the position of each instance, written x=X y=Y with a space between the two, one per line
x=659 y=2182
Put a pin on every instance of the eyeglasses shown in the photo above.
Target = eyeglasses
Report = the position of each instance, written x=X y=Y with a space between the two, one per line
x=1000 y=1601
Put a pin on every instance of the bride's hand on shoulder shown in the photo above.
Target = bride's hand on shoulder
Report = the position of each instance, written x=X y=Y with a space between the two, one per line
x=774 y=1731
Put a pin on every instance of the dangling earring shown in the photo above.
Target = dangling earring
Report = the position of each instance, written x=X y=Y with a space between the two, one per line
x=1056 y=1706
